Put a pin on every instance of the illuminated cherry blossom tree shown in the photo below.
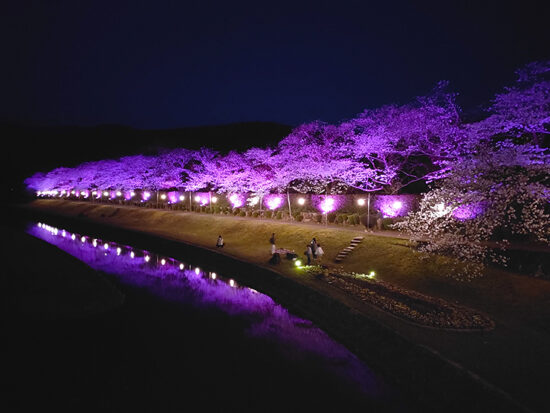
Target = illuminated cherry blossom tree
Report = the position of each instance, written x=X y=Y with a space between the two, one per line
x=522 y=109
x=496 y=196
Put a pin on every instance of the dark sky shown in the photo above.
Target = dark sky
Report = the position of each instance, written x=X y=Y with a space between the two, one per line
x=166 y=64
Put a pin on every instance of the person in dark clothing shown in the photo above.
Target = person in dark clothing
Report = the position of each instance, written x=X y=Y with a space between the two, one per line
x=313 y=245
x=308 y=254
x=220 y=243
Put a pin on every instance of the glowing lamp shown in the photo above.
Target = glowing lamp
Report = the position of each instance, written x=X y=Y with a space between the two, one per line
x=132 y=254
x=63 y=233
x=197 y=270
x=118 y=193
x=182 y=197
x=232 y=283
x=371 y=274
x=301 y=201
x=72 y=192
x=274 y=203
x=181 y=267
x=105 y=193
x=106 y=246
x=147 y=258
x=254 y=200
x=361 y=202
x=298 y=263
x=214 y=276
x=94 y=243
x=236 y=200
x=118 y=251
x=397 y=205
x=327 y=205
x=214 y=199
x=162 y=262
x=198 y=198
x=73 y=237
x=163 y=197
x=132 y=194
x=83 y=239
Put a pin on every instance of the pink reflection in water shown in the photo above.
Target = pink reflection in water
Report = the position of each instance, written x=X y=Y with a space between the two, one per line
x=176 y=281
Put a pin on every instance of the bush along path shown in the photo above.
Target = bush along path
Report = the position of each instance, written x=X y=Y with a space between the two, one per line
x=344 y=253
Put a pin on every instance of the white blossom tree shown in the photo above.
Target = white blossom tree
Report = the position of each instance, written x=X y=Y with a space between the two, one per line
x=498 y=195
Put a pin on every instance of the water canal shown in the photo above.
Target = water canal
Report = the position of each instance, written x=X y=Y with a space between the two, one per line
x=187 y=335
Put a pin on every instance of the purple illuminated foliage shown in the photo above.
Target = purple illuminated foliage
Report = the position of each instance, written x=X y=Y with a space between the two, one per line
x=274 y=201
x=391 y=206
x=327 y=203
x=384 y=149
x=469 y=211
x=236 y=200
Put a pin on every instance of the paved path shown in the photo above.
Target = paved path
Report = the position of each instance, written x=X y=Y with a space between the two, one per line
x=359 y=229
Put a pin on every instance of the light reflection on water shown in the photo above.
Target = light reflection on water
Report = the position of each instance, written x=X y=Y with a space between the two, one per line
x=179 y=281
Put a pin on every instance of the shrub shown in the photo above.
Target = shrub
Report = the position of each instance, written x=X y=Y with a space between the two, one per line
x=299 y=218
x=279 y=215
x=236 y=211
x=318 y=218
x=387 y=222
x=242 y=213
x=255 y=214
x=268 y=214
x=363 y=219
x=340 y=218
x=353 y=219
x=331 y=216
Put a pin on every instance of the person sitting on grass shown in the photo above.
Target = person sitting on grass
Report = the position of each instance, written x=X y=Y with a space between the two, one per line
x=219 y=243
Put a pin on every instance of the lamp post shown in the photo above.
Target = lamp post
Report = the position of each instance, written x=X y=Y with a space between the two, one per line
x=368 y=212
x=288 y=199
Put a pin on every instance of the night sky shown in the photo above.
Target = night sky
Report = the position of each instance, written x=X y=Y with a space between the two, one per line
x=168 y=64
x=89 y=80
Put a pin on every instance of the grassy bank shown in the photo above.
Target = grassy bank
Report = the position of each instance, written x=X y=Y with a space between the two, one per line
x=509 y=357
